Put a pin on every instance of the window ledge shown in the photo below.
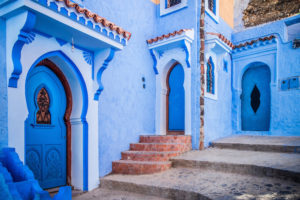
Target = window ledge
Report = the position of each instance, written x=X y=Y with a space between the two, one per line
x=165 y=11
x=213 y=16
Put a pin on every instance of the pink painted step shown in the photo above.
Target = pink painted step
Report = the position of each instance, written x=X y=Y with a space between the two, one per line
x=152 y=154
x=166 y=139
x=139 y=167
x=149 y=155
x=159 y=147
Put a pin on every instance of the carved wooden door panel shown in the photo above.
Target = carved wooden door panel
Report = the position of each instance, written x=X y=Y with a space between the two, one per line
x=45 y=130
x=256 y=99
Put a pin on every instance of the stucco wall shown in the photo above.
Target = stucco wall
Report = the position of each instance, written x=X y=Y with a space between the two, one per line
x=218 y=112
x=226 y=11
x=284 y=104
x=126 y=110
x=3 y=88
x=186 y=18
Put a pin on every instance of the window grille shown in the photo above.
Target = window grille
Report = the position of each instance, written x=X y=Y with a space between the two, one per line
x=173 y=3
x=210 y=78
x=212 y=6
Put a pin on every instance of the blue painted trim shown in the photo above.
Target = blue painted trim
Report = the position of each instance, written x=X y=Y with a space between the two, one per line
x=25 y=37
x=61 y=42
x=89 y=59
x=100 y=72
x=42 y=34
x=81 y=20
x=155 y=62
x=84 y=107
x=187 y=55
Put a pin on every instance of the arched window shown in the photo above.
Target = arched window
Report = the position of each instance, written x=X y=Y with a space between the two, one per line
x=210 y=76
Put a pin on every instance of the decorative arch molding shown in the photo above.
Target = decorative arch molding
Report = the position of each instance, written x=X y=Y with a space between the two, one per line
x=217 y=50
x=166 y=51
x=263 y=54
x=52 y=60
x=48 y=63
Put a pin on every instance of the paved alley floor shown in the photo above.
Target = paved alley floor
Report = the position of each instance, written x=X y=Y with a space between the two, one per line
x=106 y=194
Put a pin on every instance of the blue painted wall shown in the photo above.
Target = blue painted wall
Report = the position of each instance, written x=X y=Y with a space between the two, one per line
x=126 y=109
x=217 y=116
x=3 y=88
x=285 y=111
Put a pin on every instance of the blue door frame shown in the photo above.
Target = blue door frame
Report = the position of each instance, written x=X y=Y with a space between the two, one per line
x=45 y=129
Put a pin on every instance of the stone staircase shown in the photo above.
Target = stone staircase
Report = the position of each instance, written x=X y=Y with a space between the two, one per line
x=239 y=167
x=151 y=154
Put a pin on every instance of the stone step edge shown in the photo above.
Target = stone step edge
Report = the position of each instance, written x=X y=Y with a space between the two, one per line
x=254 y=170
x=257 y=147
x=162 y=143
x=165 y=136
x=151 y=152
x=164 y=192
x=143 y=162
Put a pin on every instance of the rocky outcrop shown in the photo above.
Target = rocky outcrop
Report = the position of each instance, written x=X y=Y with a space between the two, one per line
x=263 y=11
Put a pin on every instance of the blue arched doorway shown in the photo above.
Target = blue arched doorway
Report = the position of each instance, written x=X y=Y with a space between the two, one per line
x=49 y=102
x=255 y=98
x=175 y=100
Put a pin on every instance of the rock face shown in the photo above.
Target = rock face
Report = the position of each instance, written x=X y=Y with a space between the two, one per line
x=263 y=11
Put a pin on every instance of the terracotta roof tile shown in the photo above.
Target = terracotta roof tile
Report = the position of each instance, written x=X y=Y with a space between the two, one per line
x=97 y=18
x=167 y=36
x=223 y=38
x=254 y=41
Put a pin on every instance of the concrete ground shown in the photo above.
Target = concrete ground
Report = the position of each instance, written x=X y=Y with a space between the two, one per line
x=192 y=183
x=240 y=167
x=106 y=194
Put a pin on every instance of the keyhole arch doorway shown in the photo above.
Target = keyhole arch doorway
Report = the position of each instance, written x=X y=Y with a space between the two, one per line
x=256 y=98
x=175 y=100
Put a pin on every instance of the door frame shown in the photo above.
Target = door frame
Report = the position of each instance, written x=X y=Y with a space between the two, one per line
x=53 y=67
x=168 y=132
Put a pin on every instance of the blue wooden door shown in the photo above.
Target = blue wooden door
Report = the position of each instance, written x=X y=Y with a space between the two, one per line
x=45 y=130
x=176 y=99
x=256 y=99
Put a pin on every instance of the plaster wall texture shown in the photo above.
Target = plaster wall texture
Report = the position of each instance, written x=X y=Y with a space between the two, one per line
x=218 y=111
x=284 y=104
x=226 y=11
x=3 y=87
x=126 y=109
x=186 y=18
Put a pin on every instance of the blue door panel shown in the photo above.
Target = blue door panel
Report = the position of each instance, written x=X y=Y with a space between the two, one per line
x=176 y=99
x=45 y=130
x=256 y=99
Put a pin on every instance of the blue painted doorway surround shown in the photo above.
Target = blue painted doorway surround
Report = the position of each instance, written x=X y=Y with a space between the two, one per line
x=175 y=100
x=45 y=129
x=256 y=98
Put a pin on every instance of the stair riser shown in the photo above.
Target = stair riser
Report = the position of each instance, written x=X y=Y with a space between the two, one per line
x=162 y=192
x=136 y=168
x=159 y=147
x=257 y=147
x=166 y=139
x=148 y=157
x=239 y=168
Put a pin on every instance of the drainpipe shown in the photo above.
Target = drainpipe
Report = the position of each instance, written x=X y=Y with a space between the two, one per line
x=202 y=38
